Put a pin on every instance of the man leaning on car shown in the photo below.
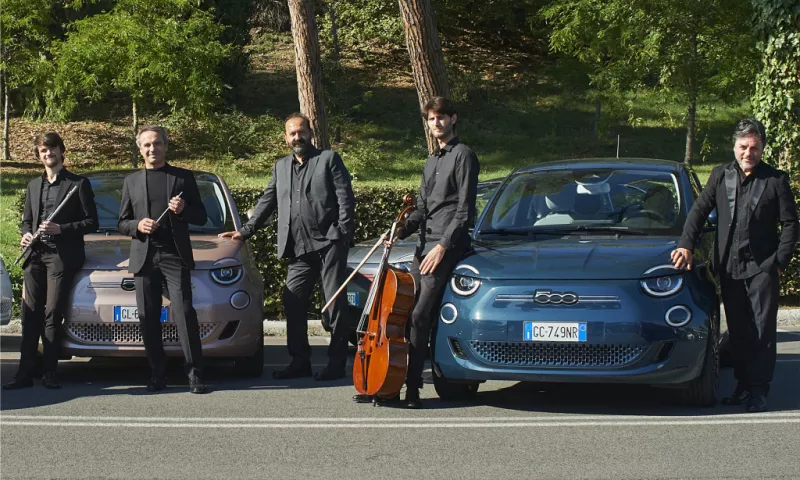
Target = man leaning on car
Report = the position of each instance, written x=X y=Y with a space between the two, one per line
x=56 y=255
x=752 y=199
x=161 y=252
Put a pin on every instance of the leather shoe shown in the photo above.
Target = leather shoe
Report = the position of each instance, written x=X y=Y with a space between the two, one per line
x=740 y=396
x=196 y=386
x=412 y=398
x=49 y=381
x=757 y=403
x=330 y=374
x=364 y=398
x=18 y=382
x=293 y=371
x=156 y=384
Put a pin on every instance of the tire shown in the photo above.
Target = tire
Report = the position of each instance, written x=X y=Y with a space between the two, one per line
x=448 y=390
x=702 y=391
x=252 y=366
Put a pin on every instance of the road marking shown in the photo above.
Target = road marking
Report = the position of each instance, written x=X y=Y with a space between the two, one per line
x=394 y=423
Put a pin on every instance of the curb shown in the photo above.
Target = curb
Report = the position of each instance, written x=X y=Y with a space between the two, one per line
x=10 y=335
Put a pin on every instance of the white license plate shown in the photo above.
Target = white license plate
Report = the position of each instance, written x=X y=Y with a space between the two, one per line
x=124 y=314
x=554 y=332
x=352 y=298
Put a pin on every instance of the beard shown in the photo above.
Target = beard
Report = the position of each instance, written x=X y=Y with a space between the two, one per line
x=300 y=147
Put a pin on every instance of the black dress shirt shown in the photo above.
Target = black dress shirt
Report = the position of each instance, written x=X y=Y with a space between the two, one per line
x=740 y=264
x=48 y=203
x=158 y=196
x=445 y=208
x=301 y=237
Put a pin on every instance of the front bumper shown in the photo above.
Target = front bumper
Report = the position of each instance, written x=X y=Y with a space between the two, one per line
x=627 y=340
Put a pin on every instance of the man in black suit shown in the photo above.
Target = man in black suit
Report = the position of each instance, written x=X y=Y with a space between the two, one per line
x=752 y=199
x=161 y=252
x=56 y=256
x=312 y=193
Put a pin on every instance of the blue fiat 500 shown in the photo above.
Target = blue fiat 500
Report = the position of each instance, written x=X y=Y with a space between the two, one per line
x=571 y=281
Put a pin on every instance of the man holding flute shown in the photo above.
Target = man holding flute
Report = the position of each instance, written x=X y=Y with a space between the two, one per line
x=61 y=206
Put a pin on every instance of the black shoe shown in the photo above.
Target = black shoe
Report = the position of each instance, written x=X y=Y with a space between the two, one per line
x=412 y=398
x=156 y=384
x=18 y=382
x=757 y=403
x=329 y=373
x=49 y=381
x=362 y=398
x=196 y=386
x=740 y=396
x=293 y=371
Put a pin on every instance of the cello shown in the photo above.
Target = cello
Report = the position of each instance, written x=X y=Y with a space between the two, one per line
x=381 y=360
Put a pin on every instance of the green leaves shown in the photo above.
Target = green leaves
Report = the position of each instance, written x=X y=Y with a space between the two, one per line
x=162 y=51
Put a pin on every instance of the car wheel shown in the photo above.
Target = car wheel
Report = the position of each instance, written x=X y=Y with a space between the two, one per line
x=702 y=391
x=252 y=366
x=449 y=390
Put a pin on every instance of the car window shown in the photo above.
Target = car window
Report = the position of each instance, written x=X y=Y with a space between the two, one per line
x=642 y=200
x=108 y=194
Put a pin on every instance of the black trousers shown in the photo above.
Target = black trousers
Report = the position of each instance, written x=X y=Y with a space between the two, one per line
x=329 y=264
x=47 y=285
x=165 y=266
x=430 y=289
x=751 y=310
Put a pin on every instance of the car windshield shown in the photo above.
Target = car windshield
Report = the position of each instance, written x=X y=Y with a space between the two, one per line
x=108 y=193
x=639 y=202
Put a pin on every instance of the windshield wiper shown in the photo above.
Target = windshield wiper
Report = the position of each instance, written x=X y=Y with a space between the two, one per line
x=504 y=231
x=606 y=228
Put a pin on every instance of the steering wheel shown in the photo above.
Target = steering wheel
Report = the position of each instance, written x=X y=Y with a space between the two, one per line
x=652 y=214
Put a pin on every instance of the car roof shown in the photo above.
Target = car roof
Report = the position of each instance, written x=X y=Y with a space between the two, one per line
x=588 y=163
x=123 y=172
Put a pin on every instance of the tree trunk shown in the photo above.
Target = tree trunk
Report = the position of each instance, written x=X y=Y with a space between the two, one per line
x=135 y=151
x=425 y=53
x=6 y=148
x=309 y=69
x=596 y=127
x=334 y=30
x=691 y=129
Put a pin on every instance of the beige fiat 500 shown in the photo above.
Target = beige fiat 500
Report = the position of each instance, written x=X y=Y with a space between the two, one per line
x=227 y=287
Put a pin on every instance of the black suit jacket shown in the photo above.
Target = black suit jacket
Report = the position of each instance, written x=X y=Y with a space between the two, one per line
x=76 y=218
x=771 y=204
x=329 y=194
x=135 y=206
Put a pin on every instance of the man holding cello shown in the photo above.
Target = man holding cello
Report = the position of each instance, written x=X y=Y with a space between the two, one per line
x=444 y=213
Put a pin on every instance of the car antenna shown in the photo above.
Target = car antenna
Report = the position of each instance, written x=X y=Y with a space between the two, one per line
x=618 y=146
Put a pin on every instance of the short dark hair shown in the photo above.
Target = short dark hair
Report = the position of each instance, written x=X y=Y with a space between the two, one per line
x=161 y=131
x=306 y=120
x=439 y=105
x=749 y=127
x=48 y=139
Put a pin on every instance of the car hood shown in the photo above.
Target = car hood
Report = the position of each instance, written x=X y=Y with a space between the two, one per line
x=112 y=252
x=626 y=258
x=402 y=251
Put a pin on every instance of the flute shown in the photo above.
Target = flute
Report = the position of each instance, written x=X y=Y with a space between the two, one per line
x=26 y=252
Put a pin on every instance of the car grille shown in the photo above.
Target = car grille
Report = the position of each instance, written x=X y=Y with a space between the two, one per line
x=5 y=307
x=557 y=354
x=127 y=333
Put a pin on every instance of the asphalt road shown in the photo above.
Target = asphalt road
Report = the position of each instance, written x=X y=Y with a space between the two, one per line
x=103 y=424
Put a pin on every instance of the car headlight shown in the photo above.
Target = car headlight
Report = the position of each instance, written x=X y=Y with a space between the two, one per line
x=663 y=286
x=464 y=285
x=402 y=265
x=227 y=275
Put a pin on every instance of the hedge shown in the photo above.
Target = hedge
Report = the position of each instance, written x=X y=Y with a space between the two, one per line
x=376 y=207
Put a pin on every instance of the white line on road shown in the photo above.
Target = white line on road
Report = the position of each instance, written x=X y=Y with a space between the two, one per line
x=380 y=425
x=429 y=422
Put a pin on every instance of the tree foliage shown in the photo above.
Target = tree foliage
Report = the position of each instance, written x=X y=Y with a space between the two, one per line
x=777 y=98
x=24 y=63
x=696 y=51
x=163 y=51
